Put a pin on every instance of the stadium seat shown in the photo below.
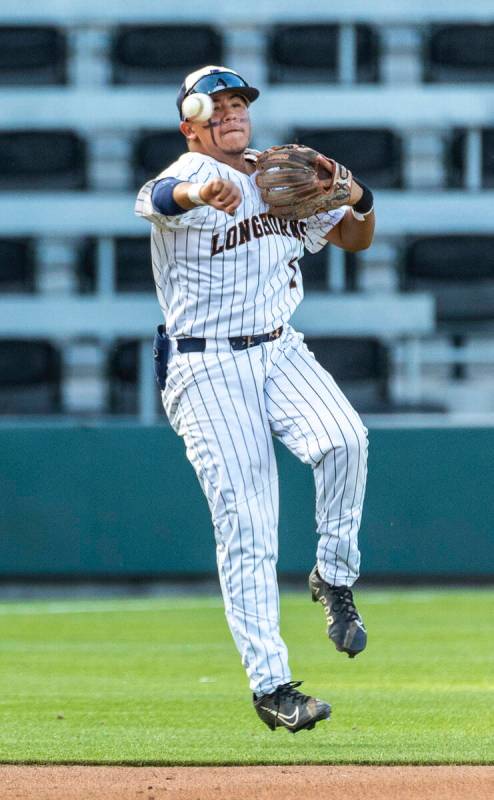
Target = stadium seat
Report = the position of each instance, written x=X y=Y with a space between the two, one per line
x=16 y=265
x=360 y=368
x=122 y=377
x=163 y=53
x=459 y=272
x=488 y=158
x=133 y=265
x=374 y=154
x=86 y=254
x=315 y=270
x=309 y=53
x=314 y=267
x=54 y=159
x=459 y=52
x=31 y=55
x=154 y=151
x=30 y=376
x=455 y=159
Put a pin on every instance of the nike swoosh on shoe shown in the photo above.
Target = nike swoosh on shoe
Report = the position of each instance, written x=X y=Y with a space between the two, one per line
x=286 y=719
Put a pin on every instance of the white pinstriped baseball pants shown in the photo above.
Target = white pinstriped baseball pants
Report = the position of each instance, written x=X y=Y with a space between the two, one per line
x=227 y=406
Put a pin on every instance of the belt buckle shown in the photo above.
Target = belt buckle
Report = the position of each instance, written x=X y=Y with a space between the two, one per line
x=248 y=341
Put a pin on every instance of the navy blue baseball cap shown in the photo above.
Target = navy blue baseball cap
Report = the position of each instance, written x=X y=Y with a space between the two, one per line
x=212 y=80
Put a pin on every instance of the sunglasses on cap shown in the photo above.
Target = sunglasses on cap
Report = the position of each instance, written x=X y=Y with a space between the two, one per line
x=218 y=82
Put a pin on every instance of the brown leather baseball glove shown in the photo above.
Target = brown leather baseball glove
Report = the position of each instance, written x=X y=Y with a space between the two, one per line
x=297 y=181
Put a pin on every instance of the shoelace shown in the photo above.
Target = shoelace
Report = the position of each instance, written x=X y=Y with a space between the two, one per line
x=344 y=602
x=289 y=690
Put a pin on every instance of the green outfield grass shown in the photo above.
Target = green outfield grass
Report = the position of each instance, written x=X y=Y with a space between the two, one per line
x=159 y=681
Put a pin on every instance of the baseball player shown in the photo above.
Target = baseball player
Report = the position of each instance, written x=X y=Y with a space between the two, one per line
x=234 y=374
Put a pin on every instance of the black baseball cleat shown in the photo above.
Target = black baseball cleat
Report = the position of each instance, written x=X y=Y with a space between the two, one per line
x=345 y=626
x=287 y=708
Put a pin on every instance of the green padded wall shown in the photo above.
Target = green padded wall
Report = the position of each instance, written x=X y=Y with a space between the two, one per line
x=123 y=501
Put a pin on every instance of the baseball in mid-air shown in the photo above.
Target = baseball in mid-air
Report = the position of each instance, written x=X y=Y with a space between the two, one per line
x=197 y=107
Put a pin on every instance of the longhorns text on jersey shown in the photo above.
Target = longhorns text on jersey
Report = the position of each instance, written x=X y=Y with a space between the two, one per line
x=237 y=374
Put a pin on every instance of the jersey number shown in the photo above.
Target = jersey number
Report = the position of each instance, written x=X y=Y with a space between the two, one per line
x=293 y=265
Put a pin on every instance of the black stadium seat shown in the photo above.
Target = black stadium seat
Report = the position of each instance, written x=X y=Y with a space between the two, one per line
x=459 y=52
x=373 y=154
x=360 y=368
x=455 y=159
x=459 y=272
x=316 y=266
x=488 y=158
x=163 y=53
x=133 y=265
x=122 y=377
x=304 y=50
x=32 y=55
x=154 y=151
x=30 y=376
x=86 y=255
x=309 y=53
x=133 y=272
x=16 y=265
x=54 y=159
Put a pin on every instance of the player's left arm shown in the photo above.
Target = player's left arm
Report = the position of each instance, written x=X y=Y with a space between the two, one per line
x=354 y=233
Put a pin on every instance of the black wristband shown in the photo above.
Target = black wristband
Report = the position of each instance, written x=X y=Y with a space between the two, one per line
x=366 y=202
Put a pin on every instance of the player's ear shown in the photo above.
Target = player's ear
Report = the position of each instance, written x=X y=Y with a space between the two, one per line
x=188 y=130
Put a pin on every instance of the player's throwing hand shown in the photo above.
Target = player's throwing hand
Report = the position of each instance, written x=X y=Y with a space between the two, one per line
x=221 y=194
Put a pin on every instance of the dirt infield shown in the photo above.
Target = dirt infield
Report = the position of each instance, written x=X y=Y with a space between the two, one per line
x=246 y=783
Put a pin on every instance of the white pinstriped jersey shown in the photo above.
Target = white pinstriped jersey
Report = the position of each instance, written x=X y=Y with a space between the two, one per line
x=218 y=275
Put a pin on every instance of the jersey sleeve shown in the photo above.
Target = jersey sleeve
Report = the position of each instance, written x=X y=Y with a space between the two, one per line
x=319 y=225
x=185 y=171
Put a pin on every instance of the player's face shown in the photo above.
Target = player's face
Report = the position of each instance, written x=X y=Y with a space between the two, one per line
x=228 y=130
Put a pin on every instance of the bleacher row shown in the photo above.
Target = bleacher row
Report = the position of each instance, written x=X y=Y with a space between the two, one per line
x=375 y=153
x=47 y=161
x=434 y=264
x=457 y=270
x=299 y=52
x=32 y=383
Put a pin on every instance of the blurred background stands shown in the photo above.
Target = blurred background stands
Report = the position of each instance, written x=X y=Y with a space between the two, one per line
x=401 y=93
